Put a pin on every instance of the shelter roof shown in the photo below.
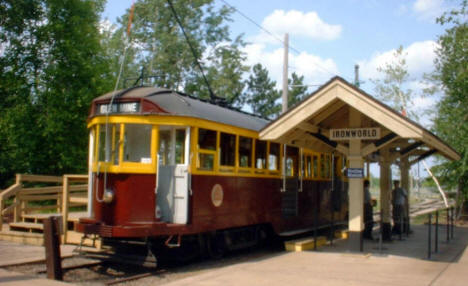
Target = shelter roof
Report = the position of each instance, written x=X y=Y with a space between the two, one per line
x=308 y=124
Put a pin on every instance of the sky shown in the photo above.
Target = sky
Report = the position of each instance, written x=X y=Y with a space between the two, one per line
x=328 y=37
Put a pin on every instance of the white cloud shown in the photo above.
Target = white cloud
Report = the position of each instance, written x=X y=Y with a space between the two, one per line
x=106 y=26
x=419 y=60
x=299 y=24
x=315 y=69
x=428 y=9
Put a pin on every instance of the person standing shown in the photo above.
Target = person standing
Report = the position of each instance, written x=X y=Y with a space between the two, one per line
x=400 y=197
x=368 y=212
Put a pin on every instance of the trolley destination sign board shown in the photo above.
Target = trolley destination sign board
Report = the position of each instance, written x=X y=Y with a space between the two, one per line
x=354 y=133
x=121 y=107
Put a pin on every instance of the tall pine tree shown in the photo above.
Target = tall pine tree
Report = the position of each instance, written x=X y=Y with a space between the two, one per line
x=261 y=94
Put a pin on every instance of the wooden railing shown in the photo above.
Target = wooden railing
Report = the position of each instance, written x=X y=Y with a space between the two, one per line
x=64 y=192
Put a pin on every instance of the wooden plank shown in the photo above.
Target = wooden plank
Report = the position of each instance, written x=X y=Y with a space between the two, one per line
x=42 y=190
x=40 y=216
x=40 y=178
x=56 y=189
x=65 y=202
x=40 y=208
x=27 y=225
x=76 y=177
x=11 y=191
x=83 y=201
x=38 y=197
x=9 y=209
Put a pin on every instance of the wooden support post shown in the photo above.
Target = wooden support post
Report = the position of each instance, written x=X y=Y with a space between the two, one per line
x=405 y=184
x=385 y=194
x=17 y=209
x=356 y=189
x=436 y=239
x=65 y=200
x=16 y=200
x=2 y=206
x=52 y=248
x=429 y=248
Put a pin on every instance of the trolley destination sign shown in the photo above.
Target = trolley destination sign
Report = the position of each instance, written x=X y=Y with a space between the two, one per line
x=121 y=107
x=355 y=133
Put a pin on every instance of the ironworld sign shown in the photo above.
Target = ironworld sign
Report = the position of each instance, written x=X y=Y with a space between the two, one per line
x=355 y=133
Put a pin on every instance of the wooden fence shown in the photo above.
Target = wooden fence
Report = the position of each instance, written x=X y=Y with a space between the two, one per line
x=64 y=192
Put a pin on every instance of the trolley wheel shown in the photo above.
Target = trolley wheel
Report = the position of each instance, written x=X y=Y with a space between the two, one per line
x=215 y=245
x=261 y=234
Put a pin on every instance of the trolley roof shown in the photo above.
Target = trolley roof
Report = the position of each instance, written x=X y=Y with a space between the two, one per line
x=170 y=102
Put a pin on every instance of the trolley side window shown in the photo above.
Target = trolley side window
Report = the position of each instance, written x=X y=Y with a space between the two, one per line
x=206 y=139
x=292 y=161
x=137 y=143
x=227 y=149
x=315 y=166
x=273 y=157
x=245 y=152
x=260 y=154
x=206 y=149
x=165 y=147
x=180 y=146
x=309 y=166
x=327 y=166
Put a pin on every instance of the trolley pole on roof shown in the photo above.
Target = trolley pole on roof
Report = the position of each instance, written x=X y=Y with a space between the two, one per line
x=284 y=97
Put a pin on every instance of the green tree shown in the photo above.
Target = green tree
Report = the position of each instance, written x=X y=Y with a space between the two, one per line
x=51 y=67
x=261 y=94
x=297 y=89
x=391 y=89
x=451 y=123
x=160 y=46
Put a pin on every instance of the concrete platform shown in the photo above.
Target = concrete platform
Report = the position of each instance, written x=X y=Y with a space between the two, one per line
x=399 y=263
x=8 y=278
x=12 y=253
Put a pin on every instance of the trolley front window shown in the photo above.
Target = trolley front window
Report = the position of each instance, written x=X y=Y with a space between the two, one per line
x=137 y=143
x=108 y=147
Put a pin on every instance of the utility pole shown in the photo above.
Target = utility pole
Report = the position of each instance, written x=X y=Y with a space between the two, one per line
x=284 y=97
x=356 y=75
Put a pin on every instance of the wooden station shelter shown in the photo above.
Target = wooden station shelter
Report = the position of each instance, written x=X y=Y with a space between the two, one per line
x=340 y=117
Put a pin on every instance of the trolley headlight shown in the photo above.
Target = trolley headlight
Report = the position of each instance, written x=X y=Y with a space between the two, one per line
x=108 y=196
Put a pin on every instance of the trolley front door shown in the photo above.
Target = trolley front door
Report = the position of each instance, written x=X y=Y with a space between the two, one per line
x=173 y=184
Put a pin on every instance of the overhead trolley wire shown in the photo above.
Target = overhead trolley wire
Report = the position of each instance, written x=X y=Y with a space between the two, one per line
x=272 y=35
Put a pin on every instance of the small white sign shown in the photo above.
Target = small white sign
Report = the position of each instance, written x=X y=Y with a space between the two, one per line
x=125 y=107
x=355 y=133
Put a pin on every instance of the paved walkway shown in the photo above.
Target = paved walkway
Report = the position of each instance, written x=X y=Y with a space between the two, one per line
x=8 y=278
x=400 y=263
x=12 y=253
